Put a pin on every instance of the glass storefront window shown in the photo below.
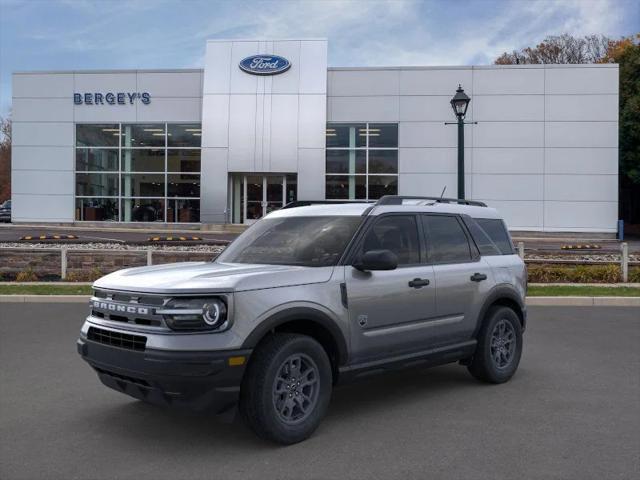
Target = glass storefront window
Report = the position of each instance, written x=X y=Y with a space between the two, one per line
x=356 y=156
x=346 y=136
x=346 y=161
x=143 y=160
x=143 y=209
x=97 y=135
x=183 y=211
x=143 y=185
x=96 y=160
x=184 y=135
x=346 y=187
x=143 y=135
x=96 y=210
x=381 y=185
x=383 y=135
x=183 y=185
x=183 y=161
x=383 y=161
x=96 y=184
x=133 y=172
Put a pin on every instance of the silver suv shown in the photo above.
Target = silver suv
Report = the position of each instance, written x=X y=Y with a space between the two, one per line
x=310 y=296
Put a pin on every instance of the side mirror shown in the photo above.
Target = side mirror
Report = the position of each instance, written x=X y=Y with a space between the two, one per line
x=377 y=260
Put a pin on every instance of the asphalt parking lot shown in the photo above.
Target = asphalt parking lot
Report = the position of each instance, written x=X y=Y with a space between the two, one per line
x=572 y=411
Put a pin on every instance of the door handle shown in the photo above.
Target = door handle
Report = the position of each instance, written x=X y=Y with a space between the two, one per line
x=478 y=277
x=418 y=282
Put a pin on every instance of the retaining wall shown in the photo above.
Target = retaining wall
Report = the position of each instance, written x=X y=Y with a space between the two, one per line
x=85 y=265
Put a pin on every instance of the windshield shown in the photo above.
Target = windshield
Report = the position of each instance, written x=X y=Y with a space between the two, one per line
x=305 y=241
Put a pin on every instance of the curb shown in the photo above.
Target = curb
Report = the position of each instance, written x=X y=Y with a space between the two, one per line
x=531 y=301
x=44 y=298
x=212 y=228
x=603 y=285
x=584 y=301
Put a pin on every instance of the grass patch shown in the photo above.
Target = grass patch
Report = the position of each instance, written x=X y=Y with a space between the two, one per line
x=580 y=291
x=52 y=289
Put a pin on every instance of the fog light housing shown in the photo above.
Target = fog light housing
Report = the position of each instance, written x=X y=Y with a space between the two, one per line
x=196 y=314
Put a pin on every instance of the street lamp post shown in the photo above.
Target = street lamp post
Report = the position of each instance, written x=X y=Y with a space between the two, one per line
x=460 y=103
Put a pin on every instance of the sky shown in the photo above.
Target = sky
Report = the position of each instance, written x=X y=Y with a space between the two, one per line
x=109 y=34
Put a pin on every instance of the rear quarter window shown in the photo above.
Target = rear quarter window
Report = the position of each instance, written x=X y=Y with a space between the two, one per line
x=496 y=230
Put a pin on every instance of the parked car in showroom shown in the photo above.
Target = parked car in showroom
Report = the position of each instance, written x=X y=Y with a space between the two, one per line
x=308 y=297
x=5 y=211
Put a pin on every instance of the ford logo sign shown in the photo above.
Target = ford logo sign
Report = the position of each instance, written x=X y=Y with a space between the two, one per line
x=265 y=64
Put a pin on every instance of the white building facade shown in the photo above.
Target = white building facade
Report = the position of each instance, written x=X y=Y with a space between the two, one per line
x=268 y=122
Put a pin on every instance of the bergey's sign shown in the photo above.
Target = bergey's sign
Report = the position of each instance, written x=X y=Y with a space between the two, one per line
x=110 y=98
x=265 y=64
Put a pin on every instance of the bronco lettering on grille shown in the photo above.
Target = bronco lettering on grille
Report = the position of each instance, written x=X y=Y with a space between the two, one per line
x=118 y=307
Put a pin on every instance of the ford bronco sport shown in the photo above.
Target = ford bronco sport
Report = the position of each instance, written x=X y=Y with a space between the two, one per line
x=310 y=296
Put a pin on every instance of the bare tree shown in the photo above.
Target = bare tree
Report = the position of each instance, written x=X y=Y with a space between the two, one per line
x=5 y=158
x=563 y=48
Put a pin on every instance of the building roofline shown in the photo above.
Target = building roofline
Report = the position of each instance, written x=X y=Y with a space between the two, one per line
x=117 y=70
x=226 y=40
x=480 y=67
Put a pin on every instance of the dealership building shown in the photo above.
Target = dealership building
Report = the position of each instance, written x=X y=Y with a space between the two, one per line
x=268 y=122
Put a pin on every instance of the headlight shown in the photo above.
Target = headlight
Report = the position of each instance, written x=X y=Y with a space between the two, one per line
x=196 y=314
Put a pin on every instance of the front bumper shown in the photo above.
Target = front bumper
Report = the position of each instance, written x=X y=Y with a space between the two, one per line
x=194 y=380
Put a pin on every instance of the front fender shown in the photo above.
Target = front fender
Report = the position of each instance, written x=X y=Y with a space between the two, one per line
x=300 y=312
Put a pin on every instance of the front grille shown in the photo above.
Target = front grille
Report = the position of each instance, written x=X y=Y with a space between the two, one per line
x=132 y=308
x=117 y=339
x=130 y=297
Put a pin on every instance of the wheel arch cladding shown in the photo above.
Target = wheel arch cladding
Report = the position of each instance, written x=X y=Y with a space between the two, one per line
x=506 y=297
x=305 y=321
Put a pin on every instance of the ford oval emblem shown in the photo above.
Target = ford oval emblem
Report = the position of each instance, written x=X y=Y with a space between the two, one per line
x=265 y=64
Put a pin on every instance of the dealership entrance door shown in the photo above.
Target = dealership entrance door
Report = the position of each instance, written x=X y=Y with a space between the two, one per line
x=253 y=195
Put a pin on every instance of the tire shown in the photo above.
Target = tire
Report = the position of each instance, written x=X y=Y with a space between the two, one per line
x=277 y=408
x=496 y=359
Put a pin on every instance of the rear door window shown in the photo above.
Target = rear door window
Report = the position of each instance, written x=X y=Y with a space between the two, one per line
x=446 y=240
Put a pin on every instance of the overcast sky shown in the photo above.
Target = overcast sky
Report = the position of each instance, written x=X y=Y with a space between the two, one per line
x=94 y=34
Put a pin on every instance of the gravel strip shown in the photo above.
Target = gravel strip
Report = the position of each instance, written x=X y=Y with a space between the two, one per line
x=608 y=257
x=116 y=246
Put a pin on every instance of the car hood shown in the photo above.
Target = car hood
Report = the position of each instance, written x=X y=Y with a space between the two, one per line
x=200 y=277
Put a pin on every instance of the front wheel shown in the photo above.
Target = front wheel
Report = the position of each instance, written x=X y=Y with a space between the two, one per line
x=286 y=389
x=499 y=346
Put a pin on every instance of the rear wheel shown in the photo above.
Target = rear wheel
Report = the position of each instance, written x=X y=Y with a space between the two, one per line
x=286 y=389
x=499 y=346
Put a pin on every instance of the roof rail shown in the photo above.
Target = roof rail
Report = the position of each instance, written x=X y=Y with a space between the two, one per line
x=306 y=203
x=397 y=200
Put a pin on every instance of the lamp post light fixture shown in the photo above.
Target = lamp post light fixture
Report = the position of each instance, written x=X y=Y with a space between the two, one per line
x=459 y=104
